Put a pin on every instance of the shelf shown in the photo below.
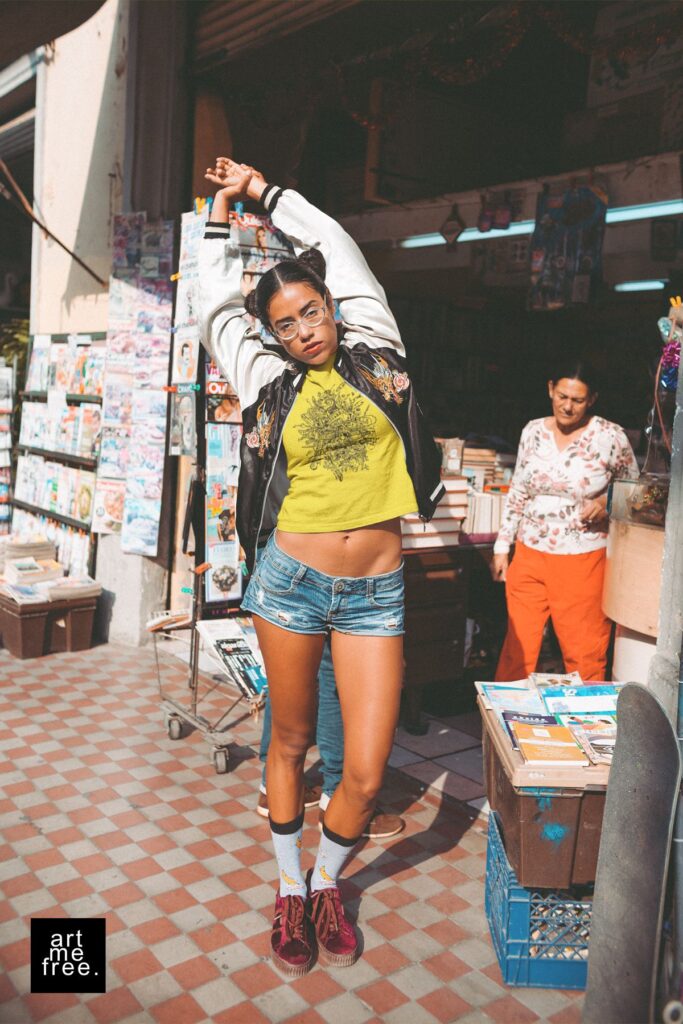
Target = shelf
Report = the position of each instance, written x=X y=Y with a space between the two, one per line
x=74 y=460
x=77 y=524
x=41 y=396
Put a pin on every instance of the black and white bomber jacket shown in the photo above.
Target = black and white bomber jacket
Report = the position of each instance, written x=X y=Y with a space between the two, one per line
x=371 y=358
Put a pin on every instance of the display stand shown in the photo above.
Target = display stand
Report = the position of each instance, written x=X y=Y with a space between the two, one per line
x=54 y=487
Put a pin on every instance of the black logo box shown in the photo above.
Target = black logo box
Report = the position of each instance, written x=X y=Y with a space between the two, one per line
x=68 y=954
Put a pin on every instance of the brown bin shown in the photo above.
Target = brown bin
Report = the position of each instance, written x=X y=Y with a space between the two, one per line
x=32 y=630
x=551 y=834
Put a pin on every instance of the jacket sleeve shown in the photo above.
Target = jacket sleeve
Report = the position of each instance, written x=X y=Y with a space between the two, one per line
x=516 y=500
x=362 y=302
x=225 y=329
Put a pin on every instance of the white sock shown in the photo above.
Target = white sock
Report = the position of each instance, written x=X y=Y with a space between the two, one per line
x=332 y=855
x=287 y=844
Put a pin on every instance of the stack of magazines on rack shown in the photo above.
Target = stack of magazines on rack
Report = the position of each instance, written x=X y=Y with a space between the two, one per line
x=32 y=575
x=556 y=720
x=233 y=646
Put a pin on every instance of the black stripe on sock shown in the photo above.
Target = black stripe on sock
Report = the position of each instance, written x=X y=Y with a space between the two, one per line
x=336 y=838
x=289 y=827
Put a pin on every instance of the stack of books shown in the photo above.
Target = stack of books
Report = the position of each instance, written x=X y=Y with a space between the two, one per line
x=504 y=468
x=32 y=570
x=13 y=548
x=63 y=588
x=479 y=466
x=69 y=587
x=484 y=514
x=444 y=528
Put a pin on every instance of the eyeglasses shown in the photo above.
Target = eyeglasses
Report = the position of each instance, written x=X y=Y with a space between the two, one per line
x=289 y=329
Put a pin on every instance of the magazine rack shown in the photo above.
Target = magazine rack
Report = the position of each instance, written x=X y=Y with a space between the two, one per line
x=191 y=643
x=81 y=468
x=214 y=638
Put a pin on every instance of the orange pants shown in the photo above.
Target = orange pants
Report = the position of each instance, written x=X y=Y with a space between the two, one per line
x=566 y=588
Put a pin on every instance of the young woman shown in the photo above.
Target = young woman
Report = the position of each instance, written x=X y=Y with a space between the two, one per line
x=334 y=451
x=556 y=510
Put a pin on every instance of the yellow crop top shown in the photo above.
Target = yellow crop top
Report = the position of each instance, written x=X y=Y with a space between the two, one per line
x=345 y=461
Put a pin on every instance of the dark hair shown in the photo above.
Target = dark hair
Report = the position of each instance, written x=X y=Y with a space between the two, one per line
x=308 y=268
x=576 y=369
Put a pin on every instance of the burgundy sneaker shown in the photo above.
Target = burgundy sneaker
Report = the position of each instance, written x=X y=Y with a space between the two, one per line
x=290 y=940
x=337 y=942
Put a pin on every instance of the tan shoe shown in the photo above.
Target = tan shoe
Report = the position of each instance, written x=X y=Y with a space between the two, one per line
x=311 y=799
x=380 y=826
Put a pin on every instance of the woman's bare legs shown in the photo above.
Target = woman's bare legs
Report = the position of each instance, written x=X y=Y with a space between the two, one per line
x=369 y=673
x=292 y=661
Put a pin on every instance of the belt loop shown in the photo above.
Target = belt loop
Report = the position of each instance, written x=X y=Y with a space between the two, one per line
x=370 y=586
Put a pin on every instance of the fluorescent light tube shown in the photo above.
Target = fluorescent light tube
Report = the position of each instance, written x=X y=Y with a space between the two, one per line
x=640 y=286
x=618 y=215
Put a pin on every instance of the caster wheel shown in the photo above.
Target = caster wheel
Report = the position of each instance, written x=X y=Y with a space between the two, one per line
x=673 y=1013
x=220 y=760
x=175 y=728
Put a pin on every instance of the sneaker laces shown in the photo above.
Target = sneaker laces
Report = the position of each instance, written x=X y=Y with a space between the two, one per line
x=293 y=915
x=326 y=911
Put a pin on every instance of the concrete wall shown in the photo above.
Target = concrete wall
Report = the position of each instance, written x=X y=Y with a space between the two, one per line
x=83 y=134
x=80 y=137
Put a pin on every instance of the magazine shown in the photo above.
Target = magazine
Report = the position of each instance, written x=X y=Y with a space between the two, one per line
x=548 y=745
x=596 y=734
x=587 y=699
x=542 y=679
x=517 y=716
x=228 y=644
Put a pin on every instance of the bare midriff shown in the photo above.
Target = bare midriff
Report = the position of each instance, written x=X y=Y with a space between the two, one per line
x=365 y=551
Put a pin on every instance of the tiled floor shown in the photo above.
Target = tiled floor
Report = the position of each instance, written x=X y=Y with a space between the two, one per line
x=103 y=815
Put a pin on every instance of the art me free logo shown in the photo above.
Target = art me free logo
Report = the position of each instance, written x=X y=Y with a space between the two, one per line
x=68 y=954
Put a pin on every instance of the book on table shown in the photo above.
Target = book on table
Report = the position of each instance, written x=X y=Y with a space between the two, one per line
x=548 y=745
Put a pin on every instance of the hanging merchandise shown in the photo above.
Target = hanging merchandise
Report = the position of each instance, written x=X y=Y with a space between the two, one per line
x=566 y=247
x=206 y=419
x=130 y=478
x=660 y=424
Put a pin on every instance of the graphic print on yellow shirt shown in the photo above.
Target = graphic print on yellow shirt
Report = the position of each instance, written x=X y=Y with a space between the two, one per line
x=345 y=461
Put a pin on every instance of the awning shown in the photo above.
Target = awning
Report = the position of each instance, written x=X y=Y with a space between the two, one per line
x=228 y=28
x=24 y=27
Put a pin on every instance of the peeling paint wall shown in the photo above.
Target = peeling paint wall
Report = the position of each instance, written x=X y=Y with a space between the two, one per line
x=80 y=136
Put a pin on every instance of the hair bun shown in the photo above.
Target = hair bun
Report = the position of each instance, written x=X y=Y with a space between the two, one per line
x=251 y=304
x=314 y=260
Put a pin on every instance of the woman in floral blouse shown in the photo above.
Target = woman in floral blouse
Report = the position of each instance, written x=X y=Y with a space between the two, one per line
x=556 y=516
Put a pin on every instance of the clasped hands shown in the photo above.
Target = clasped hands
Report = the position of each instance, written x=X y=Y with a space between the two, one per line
x=236 y=181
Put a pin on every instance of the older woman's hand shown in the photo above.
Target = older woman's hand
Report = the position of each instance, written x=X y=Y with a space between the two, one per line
x=499 y=567
x=593 y=512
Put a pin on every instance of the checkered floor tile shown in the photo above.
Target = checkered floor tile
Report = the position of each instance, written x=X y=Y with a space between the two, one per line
x=102 y=814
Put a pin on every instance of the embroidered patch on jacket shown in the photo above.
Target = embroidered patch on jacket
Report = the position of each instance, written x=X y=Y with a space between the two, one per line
x=338 y=428
x=390 y=383
x=259 y=437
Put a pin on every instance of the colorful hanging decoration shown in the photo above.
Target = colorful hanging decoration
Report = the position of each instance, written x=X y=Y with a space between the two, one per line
x=566 y=246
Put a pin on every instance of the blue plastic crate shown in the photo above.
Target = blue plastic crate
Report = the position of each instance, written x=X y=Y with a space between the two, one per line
x=540 y=937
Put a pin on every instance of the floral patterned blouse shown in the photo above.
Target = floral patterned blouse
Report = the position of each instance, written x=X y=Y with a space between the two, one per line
x=549 y=487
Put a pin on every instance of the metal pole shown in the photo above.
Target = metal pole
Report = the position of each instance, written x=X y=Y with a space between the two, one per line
x=664 y=672
x=664 y=676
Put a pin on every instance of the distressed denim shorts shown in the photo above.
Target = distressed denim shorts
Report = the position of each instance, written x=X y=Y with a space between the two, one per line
x=293 y=595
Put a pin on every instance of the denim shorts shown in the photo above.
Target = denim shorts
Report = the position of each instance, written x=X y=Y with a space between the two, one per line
x=294 y=596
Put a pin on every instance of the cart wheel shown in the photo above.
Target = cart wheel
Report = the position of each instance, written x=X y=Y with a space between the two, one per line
x=220 y=760
x=175 y=727
x=673 y=1013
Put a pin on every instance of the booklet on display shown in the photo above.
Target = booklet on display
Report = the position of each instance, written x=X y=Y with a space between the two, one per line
x=548 y=745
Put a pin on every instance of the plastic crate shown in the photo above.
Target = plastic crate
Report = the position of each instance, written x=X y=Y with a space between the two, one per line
x=540 y=937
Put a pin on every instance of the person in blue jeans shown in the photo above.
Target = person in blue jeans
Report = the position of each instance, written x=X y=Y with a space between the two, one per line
x=329 y=738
